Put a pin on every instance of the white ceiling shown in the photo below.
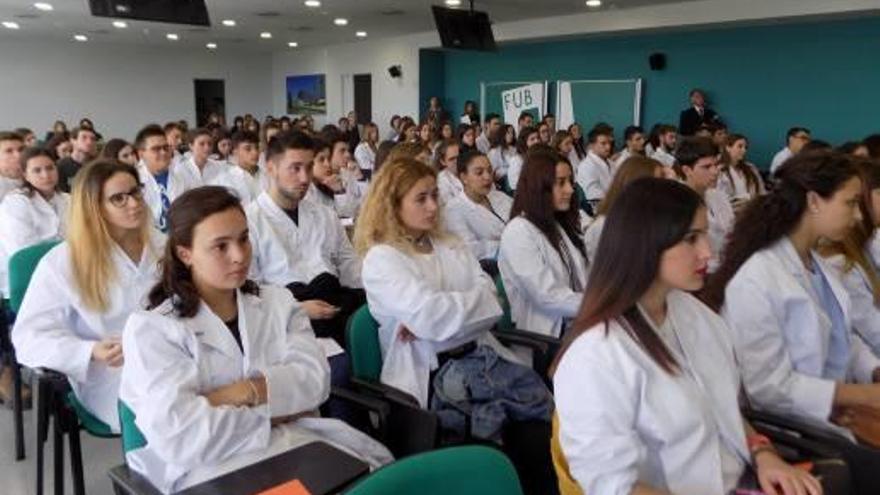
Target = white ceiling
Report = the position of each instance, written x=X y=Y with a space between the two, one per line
x=287 y=20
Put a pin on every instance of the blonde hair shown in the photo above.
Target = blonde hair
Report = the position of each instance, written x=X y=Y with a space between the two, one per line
x=88 y=234
x=406 y=150
x=379 y=221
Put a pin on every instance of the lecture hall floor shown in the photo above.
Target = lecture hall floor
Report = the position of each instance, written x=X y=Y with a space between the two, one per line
x=18 y=478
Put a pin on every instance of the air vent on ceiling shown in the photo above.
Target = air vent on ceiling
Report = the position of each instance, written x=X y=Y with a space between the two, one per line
x=269 y=13
x=27 y=16
x=392 y=12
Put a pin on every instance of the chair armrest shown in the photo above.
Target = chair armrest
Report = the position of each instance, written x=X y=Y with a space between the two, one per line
x=127 y=482
x=385 y=391
x=544 y=348
x=380 y=409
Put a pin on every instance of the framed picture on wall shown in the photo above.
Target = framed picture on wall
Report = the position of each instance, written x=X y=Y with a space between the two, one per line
x=307 y=95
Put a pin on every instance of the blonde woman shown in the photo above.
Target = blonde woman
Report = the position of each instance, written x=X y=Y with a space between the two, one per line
x=365 y=153
x=435 y=307
x=83 y=290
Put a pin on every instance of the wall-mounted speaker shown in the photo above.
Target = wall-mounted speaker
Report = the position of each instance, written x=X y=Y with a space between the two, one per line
x=657 y=61
x=395 y=71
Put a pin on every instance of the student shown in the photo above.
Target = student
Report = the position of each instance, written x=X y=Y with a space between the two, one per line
x=436 y=112
x=329 y=186
x=446 y=163
x=174 y=134
x=634 y=140
x=222 y=147
x=408 y=132
x=34 y=213
x=382 y=152
x=28 y=136
x=394 y=131
x=851 y=259
x=633 y=168
x=490 y=126
x=301 y=244
x=739 y=180
x=435 y=307
x=795 y=139
x=467 y=137
x=478 y=213
x=270 y=130
x=696 y=163
x=544 y=133
x=594 y=173
x=542 y=258
x=83 y=140
x=657 y=366
x=119 y=150
x=563 y=143
x=60 y=146
x=11 y=147
x=524 y=120
x=84 y=290
x=365 y=153
x=528 y=137
x=163 y=178
x=664 y=142
x=580 y=151
x=790 y=315
x=245 y=177
x=221 y=373
x=719 y=134
x=416 y=151
x=470 y=116
x=198 y=161
x=550 y=120
x=502 y=147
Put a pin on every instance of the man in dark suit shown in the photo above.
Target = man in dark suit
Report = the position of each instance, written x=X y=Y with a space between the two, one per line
x=697 y=115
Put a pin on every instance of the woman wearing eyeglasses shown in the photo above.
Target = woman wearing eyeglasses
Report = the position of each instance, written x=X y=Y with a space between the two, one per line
x=83 y=290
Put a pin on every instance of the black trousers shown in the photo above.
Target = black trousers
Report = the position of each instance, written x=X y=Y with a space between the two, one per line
x=326 y=287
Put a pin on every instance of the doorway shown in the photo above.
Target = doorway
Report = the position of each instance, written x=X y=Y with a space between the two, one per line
x=210 y=98
x=363 y=98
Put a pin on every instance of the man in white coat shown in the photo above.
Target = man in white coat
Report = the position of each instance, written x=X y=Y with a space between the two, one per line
x=491 y=125
x=302 y=245
x=595 y=172
x=163 y=179
x=634 y=139
x=11 y=146
x=667 y=138
x=795 y=139
x=245 y=177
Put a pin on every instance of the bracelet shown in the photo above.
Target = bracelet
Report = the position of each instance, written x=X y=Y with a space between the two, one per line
x=254 y=395
x=758 y=443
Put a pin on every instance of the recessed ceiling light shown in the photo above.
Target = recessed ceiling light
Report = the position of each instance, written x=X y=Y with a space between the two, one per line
x=293 y=44
x=172 y=36
x=81 y=38
x=594 y=3
x=453 y=3
x=313 y=3
x=44 y=6
x=10 y=25
x=120 y=24
x=266 y=35
x=229 y=22
x=340 y=21
x=361 y=34
x=211 y=46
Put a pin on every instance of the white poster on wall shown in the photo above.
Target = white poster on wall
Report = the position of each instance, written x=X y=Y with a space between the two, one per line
x=517 y=100
x=566 y=107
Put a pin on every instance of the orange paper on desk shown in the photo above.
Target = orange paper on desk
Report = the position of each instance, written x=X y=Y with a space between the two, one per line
x=290 y=488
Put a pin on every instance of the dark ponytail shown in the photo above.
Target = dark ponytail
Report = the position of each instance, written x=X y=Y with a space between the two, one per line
x=186 y=212
x=769 y=218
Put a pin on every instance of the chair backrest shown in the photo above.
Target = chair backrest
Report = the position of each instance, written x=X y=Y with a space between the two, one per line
x=363 y=345
x=468 y=470
x=506 y=321
x=21 y=267
x=132 y=438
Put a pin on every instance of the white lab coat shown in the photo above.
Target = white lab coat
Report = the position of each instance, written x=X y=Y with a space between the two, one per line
x=28 y=220
x=663 y=156
x=782 y=335
x=593 y=235
x=779 y=158
x=624 y=420
x=478 y=227
x=536 y=279
x=347 y=204
x=621 y=157
x=365 y=156
x=180 y=180
x=865 y=314
x=594 y=175
x=55 y=330
x=735 y=185
x=444 y=299
x=499 y=159
x=8 y=185
x=449 y=186
x=515 y=165
x=246 y=186
x=721 y=221
x=172 y=361
x=483 y=144
x=207 y=174
x=285 y=253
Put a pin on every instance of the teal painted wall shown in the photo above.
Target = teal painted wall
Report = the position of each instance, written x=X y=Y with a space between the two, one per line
x=762 y=79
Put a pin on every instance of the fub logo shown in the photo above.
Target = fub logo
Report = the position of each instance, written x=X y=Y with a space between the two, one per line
x=516 y=100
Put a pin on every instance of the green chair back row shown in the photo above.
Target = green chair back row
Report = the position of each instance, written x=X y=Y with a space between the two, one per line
x=363 y=345
x=21 y=268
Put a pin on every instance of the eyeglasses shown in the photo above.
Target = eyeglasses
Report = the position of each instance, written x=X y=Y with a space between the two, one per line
x=120 y=199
